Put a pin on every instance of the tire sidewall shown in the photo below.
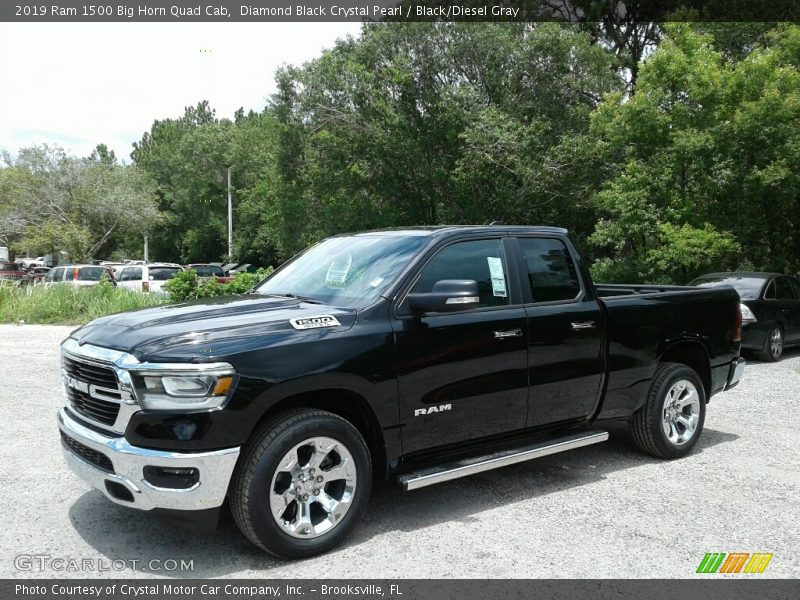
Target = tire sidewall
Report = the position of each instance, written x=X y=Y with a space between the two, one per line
x=263 y=469
x=768 y=354
x=667 y=448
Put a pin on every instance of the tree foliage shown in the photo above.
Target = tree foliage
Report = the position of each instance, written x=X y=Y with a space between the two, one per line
x=668 y=149
x=55 y=202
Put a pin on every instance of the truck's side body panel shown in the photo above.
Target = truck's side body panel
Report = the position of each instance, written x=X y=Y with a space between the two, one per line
x=642 y=327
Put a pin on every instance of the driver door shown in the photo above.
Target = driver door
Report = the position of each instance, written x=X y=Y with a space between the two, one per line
x=463 y=375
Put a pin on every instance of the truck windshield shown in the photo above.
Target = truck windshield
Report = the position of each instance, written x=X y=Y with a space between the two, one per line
x=748 y=287
x=349 y=271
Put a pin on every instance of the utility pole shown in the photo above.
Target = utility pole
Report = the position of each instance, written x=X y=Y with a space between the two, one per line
x=146 y=248
x=230 y=218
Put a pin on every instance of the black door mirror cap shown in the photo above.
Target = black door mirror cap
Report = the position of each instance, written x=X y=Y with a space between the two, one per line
x=447 y=295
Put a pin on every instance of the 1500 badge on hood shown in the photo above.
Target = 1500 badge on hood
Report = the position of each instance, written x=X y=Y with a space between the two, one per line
x=314 y=322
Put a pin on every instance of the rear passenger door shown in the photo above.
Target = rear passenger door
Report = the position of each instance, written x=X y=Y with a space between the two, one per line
x=566 y=333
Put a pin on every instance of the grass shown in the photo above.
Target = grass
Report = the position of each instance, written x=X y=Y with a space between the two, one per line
x=67 y=304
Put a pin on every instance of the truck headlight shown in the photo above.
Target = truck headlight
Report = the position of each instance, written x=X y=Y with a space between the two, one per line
x=182 y=391
x=747 y=314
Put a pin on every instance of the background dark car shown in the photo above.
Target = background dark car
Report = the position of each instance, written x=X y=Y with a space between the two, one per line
x=770 y=309
x=207 y=271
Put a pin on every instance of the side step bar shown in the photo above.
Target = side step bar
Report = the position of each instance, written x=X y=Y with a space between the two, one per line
x=470 y=466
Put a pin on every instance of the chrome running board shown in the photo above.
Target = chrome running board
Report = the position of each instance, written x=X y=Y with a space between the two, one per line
x=470 y=466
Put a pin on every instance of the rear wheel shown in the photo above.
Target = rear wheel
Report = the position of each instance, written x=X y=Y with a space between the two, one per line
x=670 y=423
x=304 y=480
x=773 y=345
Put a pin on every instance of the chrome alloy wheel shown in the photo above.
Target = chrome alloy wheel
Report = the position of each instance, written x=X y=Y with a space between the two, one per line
x=776 y=342
x=681 y=413
x=313 y=487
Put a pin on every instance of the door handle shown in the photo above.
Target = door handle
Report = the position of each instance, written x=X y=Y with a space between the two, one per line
x=508 y=334
x=581 y=325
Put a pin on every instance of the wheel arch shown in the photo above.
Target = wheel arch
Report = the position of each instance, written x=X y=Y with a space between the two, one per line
x=346 y=404
x=693 y=354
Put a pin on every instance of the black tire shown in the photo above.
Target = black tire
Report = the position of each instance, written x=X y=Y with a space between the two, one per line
x=252 y=481
x=647 y=426
x=771 y=353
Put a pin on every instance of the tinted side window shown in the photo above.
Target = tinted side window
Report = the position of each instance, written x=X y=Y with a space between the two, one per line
x=91 y=273
x=551 y=272
x=479 y=260
x=795 y=286
x=163 y=273
x=135 y=274
x=782 y=289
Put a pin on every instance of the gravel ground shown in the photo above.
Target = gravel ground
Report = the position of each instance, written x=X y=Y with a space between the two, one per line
x=604 y=511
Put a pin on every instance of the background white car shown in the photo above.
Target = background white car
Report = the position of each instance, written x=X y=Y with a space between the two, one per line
x=28 y=262
x=147 y=278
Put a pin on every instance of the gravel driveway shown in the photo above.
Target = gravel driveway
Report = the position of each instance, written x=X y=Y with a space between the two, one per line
x=603 y=511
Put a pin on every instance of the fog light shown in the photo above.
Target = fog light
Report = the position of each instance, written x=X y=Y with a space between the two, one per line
x=175 y=478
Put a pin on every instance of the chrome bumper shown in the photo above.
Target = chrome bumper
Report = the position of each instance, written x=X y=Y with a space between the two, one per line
x=736 y=373
x=215 y=468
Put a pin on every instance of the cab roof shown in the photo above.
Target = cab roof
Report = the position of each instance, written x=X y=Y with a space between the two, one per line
x=439 y=230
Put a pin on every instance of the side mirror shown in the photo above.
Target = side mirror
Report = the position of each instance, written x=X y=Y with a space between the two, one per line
x=448 y=295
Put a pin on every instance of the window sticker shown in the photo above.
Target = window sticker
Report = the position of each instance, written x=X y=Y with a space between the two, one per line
x=497 y=275
x=337 y=273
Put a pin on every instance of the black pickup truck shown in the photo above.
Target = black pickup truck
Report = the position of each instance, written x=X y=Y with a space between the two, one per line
x=417 y=355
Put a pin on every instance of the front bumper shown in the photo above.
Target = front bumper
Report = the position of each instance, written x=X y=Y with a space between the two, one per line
x=215 y=470
x=736 y=373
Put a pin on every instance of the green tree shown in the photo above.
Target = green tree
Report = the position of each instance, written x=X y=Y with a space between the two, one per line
x=54 y=202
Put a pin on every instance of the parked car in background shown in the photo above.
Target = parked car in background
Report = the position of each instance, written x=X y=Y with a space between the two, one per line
x=114 y=266
x=770 y=309
x=28 y=262
x=10 y=273
x=207 y=271
x=37 y=275
x=147 y=277
x=81 y=275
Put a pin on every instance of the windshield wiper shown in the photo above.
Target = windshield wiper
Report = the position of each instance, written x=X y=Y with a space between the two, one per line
x=308 y=299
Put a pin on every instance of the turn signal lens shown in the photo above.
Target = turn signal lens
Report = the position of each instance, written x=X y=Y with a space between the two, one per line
x=223 y=386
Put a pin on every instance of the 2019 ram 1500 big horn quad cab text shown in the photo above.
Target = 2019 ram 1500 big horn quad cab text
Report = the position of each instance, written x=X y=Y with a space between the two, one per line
x=419 y=355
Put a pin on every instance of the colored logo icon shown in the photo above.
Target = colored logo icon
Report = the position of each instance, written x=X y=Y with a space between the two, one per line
x=734 y=562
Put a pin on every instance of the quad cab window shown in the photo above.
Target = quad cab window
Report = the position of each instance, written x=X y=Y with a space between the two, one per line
x=551 y=272
x=477 y=260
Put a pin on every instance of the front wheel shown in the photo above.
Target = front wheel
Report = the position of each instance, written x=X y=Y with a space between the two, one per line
x=670 y=423
x=773 y=345
x=303 y=481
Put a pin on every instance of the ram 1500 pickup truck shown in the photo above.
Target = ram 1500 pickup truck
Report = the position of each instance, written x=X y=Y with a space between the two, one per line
x=416 y=355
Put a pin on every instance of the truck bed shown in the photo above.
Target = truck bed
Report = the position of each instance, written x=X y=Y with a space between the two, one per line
x=644 y=321
x=611 y=290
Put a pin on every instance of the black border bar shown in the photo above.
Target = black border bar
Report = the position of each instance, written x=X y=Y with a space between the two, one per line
x=397 y=10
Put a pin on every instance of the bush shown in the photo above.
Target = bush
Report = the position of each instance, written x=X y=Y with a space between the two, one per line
x=67 y=304
x=185 y=286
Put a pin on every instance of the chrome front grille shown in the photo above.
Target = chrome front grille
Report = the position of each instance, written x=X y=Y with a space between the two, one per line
x=92 y=390
x=94 y=374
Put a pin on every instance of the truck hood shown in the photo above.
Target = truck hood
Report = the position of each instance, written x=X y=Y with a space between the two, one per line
x=207 y=330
